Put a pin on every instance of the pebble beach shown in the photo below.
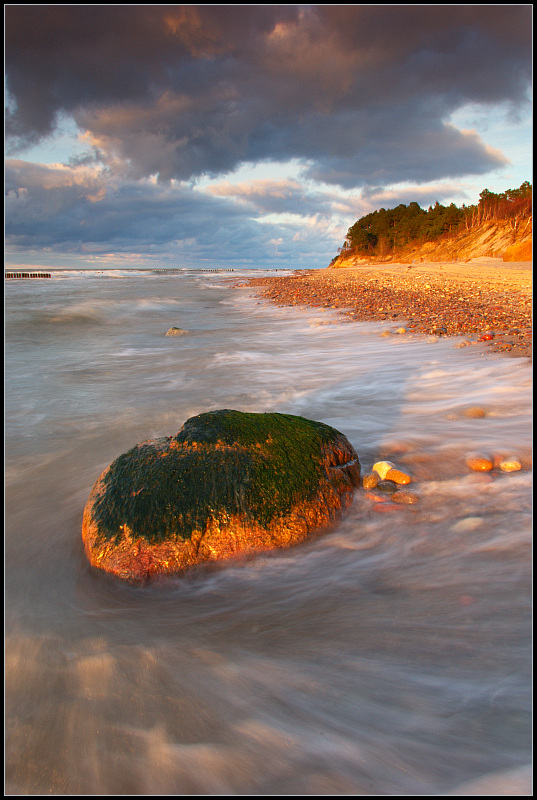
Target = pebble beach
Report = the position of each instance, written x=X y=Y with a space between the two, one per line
x=485 y=301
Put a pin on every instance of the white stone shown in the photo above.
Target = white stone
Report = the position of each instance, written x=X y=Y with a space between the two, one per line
x=382 y=467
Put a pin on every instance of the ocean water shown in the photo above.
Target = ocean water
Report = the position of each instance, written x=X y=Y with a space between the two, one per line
x=389 y=656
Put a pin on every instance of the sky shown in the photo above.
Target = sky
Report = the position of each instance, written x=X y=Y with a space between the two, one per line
x=250 y=136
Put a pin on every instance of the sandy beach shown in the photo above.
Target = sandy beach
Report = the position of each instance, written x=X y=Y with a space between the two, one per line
x=486 y=301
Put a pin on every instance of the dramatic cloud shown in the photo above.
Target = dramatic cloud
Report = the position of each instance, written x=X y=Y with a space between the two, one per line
x=360 y=95
x=83 y=210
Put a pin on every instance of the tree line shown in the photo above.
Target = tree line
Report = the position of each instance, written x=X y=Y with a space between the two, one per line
x=386 y=230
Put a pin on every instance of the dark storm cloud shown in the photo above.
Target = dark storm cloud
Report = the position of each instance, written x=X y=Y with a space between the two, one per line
x=359 y=94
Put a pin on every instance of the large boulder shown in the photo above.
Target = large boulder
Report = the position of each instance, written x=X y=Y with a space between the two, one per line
x=228 y=484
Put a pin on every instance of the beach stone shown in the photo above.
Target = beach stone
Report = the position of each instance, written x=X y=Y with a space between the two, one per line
x=385 y=507
x=382 y=467
x=370 y=480
x=227 y=484
x=474 y=412
x=398 y=477
x=511 y=464
x=467 y=524
x=387 y=486
x=376 y=498
x=479 y=463
x=478 y=478
x=175 y=332
x=404 y=497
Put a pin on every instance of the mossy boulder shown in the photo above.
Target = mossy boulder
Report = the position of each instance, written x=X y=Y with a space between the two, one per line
x=228 y=484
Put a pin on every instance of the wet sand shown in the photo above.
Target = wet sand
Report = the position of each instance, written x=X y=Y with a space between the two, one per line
x=486 y=301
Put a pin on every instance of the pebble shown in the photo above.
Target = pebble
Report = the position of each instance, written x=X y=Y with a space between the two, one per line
x=376 y=498
x=385 y=507
x=466 y=599
x=467 y=524
x=408 y=498
x=370 y=480
x=479 y=463
x=398 y=446
x=387 y=486
x=382 y=467
x=474 y=412
x=175 y=332
x=511 y=464
x=478 y=477
x=397 y=476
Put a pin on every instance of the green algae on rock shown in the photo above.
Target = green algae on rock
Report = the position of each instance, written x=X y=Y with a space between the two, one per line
x=227 y=484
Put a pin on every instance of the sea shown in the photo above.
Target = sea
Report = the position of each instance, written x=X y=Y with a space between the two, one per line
x=389 y=656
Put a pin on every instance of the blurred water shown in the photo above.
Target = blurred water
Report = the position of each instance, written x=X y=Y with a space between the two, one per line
x=391 y=656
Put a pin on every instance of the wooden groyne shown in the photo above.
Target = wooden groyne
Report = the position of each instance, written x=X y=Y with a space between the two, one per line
x=27 y=275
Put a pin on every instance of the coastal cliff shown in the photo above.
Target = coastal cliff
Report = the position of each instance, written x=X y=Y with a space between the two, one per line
x=508 y=239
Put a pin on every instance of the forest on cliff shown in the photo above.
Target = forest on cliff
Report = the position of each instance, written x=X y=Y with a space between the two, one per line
x=384 y=231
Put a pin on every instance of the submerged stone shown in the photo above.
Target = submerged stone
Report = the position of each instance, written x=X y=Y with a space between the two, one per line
x=370 y=480
x=387 y=486
x=228 y=484
x=511 y=464
x=397 y=476
x=175 y=332
x=479 y=463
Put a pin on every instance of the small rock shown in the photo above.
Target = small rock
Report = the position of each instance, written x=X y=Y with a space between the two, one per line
x=398 y=446
x=401 y=330
x=387 y=486
x=408 y=498
x=486 y=337
x=511 y=464
x=382 y=467
x=479 y=463
x=385 y=507
x=474 y=412
x=478 y=478
x=467 y=524
x=175 y=332
x=397 y=476
x=376 y=498
x=370 y=480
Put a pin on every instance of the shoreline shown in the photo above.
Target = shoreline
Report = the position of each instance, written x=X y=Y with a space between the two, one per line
x=486 y=301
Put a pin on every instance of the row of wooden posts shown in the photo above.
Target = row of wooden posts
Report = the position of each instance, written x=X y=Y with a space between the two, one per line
x=27 y=275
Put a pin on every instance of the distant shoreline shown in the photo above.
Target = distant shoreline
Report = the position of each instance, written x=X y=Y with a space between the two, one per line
x=486 y=300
